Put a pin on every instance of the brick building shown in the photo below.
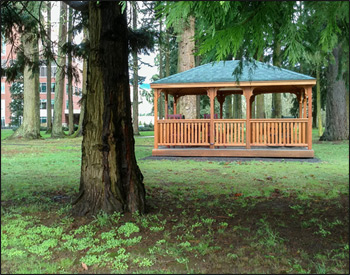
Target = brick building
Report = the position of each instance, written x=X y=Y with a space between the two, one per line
x=6 y=59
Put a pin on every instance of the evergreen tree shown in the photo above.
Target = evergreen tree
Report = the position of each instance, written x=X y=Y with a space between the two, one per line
x=57 y=131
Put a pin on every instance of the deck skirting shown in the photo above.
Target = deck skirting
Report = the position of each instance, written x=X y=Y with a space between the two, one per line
x=260 y=152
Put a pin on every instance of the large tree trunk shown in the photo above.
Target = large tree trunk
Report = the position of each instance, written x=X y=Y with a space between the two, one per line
x=260 y=106
x=70 y=76
x=237 y=106
x=228 y=106
x=110 y=178
x=337 y=127
x=187 y=104
x=48 y=72
x=318 y=101
x=276 y=97
x=60 y=75
x=30 y=128
x=79 y=131
x=161 y=100
x=135 y=85
x=167 y=54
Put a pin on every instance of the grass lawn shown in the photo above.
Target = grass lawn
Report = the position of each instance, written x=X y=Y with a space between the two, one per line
x=203 y=216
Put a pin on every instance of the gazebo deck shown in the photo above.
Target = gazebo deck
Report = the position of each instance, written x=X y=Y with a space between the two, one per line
x=234 y=151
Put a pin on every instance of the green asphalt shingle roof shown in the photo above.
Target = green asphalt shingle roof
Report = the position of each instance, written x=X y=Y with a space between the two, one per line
x=223 y=72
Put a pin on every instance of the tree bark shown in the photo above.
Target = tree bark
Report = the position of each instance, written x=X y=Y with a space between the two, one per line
x=337 y=127
x=70 y=76
x=167 y=54
x=253 y=109
x=48 y=72
x=110 y=178
x=228 y=106
x=237 y=106
x=187 y=104
x=30 y=128
x=318 y=101
x=161 y=100
x=276 y=97
x=60 y=75
x=260 y=106
x=135 y=86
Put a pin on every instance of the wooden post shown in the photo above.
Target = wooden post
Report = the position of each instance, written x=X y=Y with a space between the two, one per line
x=212 y=94
x=309 y=125
x=299 y=98
x=221 y=99
x=304 y=101
x=176 y=97
x=156 y=96
x=247 y=92
x=166 y=105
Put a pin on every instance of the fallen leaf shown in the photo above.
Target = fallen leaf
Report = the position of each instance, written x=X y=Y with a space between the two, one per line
x=269 y=178
x=84 y=266
x=238 y=194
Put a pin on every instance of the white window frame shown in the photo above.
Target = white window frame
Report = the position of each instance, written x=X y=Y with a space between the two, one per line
x=41 y=85
x=3 y=87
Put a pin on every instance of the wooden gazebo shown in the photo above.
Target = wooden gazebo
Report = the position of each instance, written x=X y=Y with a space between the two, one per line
x=283 y=137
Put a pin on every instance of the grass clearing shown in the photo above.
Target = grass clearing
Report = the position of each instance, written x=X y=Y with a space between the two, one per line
x=203 y=216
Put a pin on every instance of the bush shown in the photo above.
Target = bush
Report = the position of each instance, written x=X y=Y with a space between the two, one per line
x=146 y=127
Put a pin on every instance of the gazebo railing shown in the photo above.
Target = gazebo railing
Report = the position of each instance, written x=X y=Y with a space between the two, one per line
x=186 y=132
x=279 y=132
x=232 y=132
x=229 y=132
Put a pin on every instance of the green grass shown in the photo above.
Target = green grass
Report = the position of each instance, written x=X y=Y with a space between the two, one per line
x=203 y=216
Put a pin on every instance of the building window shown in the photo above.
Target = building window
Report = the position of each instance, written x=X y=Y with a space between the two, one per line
x=2 y=87
x=43 y=104
x=52 y=103
x=53 y=86
x=80 y=92
x=42 y=88
x=67 y=89
x=43 y=71
x=2 y=122
x=67 y=105
x=43 y=119
x=3 y=45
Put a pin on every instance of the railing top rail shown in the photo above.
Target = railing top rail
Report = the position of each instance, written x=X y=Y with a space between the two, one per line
x=182 y=120
x=279 y=120
x=230 y=120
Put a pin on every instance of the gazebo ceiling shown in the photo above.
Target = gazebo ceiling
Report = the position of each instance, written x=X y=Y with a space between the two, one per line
x=220 y=74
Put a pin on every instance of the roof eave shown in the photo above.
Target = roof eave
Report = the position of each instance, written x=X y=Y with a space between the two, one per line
x=233 y=84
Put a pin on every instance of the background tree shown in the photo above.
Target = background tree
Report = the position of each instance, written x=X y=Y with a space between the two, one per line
x=79 y=131
x=29 y=57
x=57 y=131
x=48 y=69
x=70 y=74
x=188 y=105
x=16 y=105
x=135 y=85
